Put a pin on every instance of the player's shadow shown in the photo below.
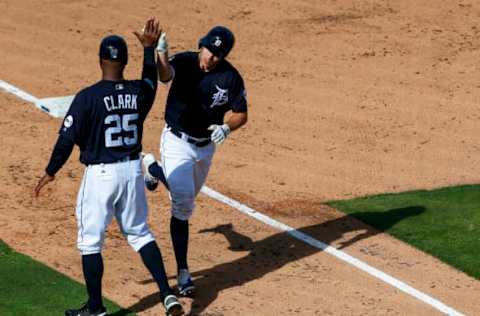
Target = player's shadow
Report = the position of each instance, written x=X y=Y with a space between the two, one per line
x=122 y=312
x=273 y=252
x=143 y=304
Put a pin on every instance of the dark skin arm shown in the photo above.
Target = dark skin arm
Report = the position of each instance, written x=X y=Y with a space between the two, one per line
x=151 y=33
x=61 y=152
x=42 y=182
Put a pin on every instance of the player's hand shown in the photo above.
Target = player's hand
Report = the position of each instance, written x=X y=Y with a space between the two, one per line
x=150 y=34
x=42 y=182
x=219 y=133
x=162 y=46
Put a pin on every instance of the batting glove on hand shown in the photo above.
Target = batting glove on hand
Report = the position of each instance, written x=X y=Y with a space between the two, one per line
x=162 y=46
x=219 y=133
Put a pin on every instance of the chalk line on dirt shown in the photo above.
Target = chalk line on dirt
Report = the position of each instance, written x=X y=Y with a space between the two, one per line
x=332 y=251
x=278 y=225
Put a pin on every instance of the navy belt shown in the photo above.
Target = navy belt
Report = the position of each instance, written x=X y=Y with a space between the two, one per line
x=189 y=139
x=130 y=157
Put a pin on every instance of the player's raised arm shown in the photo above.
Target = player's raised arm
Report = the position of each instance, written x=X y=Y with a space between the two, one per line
x=149 y=39
x=165 y=71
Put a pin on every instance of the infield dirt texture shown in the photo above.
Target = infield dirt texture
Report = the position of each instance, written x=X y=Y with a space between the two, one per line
x=347 y=98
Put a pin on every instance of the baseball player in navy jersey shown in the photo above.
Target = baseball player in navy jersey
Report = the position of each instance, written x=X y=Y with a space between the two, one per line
x=106 y=121
x=204 y=87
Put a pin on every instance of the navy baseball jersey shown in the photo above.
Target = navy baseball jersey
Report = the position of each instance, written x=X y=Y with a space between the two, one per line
x=198 y=99
x=106 y=119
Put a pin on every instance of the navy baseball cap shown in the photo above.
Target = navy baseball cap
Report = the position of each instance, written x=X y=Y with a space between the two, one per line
x=219 y=40
x=114 y=48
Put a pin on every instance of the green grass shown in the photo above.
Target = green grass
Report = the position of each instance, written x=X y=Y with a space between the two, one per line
x=30 y=288
x=444 y=223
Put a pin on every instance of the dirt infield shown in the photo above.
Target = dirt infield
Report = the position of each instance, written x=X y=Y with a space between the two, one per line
x=347 y=98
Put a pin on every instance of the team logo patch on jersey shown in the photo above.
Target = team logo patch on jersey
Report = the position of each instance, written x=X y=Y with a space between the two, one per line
x=68 y=121
x=220 y=97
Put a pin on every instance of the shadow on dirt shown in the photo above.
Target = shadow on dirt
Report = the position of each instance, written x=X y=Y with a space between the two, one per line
x=122 y=312
x=272 y=253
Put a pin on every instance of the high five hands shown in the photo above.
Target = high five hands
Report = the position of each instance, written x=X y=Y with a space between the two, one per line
x=150 y=34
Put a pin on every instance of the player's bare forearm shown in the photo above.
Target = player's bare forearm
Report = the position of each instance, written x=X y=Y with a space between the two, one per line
x=237 y=120
x=164 y=69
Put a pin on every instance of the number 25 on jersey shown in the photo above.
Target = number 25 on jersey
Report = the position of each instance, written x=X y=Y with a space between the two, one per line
x=125 y=123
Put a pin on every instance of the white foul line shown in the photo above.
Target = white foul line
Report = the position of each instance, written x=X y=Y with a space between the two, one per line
x=56 y=107
x=334 y=252
x=19 y=93
x=295 y=233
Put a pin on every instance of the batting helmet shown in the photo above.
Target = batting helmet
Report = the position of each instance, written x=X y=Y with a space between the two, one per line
x=114 y=48
x=219 y=40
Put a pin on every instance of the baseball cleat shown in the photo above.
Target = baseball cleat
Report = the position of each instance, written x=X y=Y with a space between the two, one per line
x=172 y=306
x=85 y=311
x=151 y=183
x=184 y=284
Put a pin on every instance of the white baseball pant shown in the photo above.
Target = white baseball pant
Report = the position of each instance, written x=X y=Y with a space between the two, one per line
x=186 y=168
x=107 y=190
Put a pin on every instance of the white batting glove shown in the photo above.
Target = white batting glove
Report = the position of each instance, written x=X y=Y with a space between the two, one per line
x=219 y=133
x=162 y=46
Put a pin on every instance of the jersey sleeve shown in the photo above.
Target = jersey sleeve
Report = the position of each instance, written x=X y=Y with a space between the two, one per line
x=60 y=154
x=239 y=95
x=75 y=122
x=148 y=84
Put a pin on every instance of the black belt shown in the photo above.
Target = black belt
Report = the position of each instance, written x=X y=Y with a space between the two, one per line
x=190 y=139
x=130 y=157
